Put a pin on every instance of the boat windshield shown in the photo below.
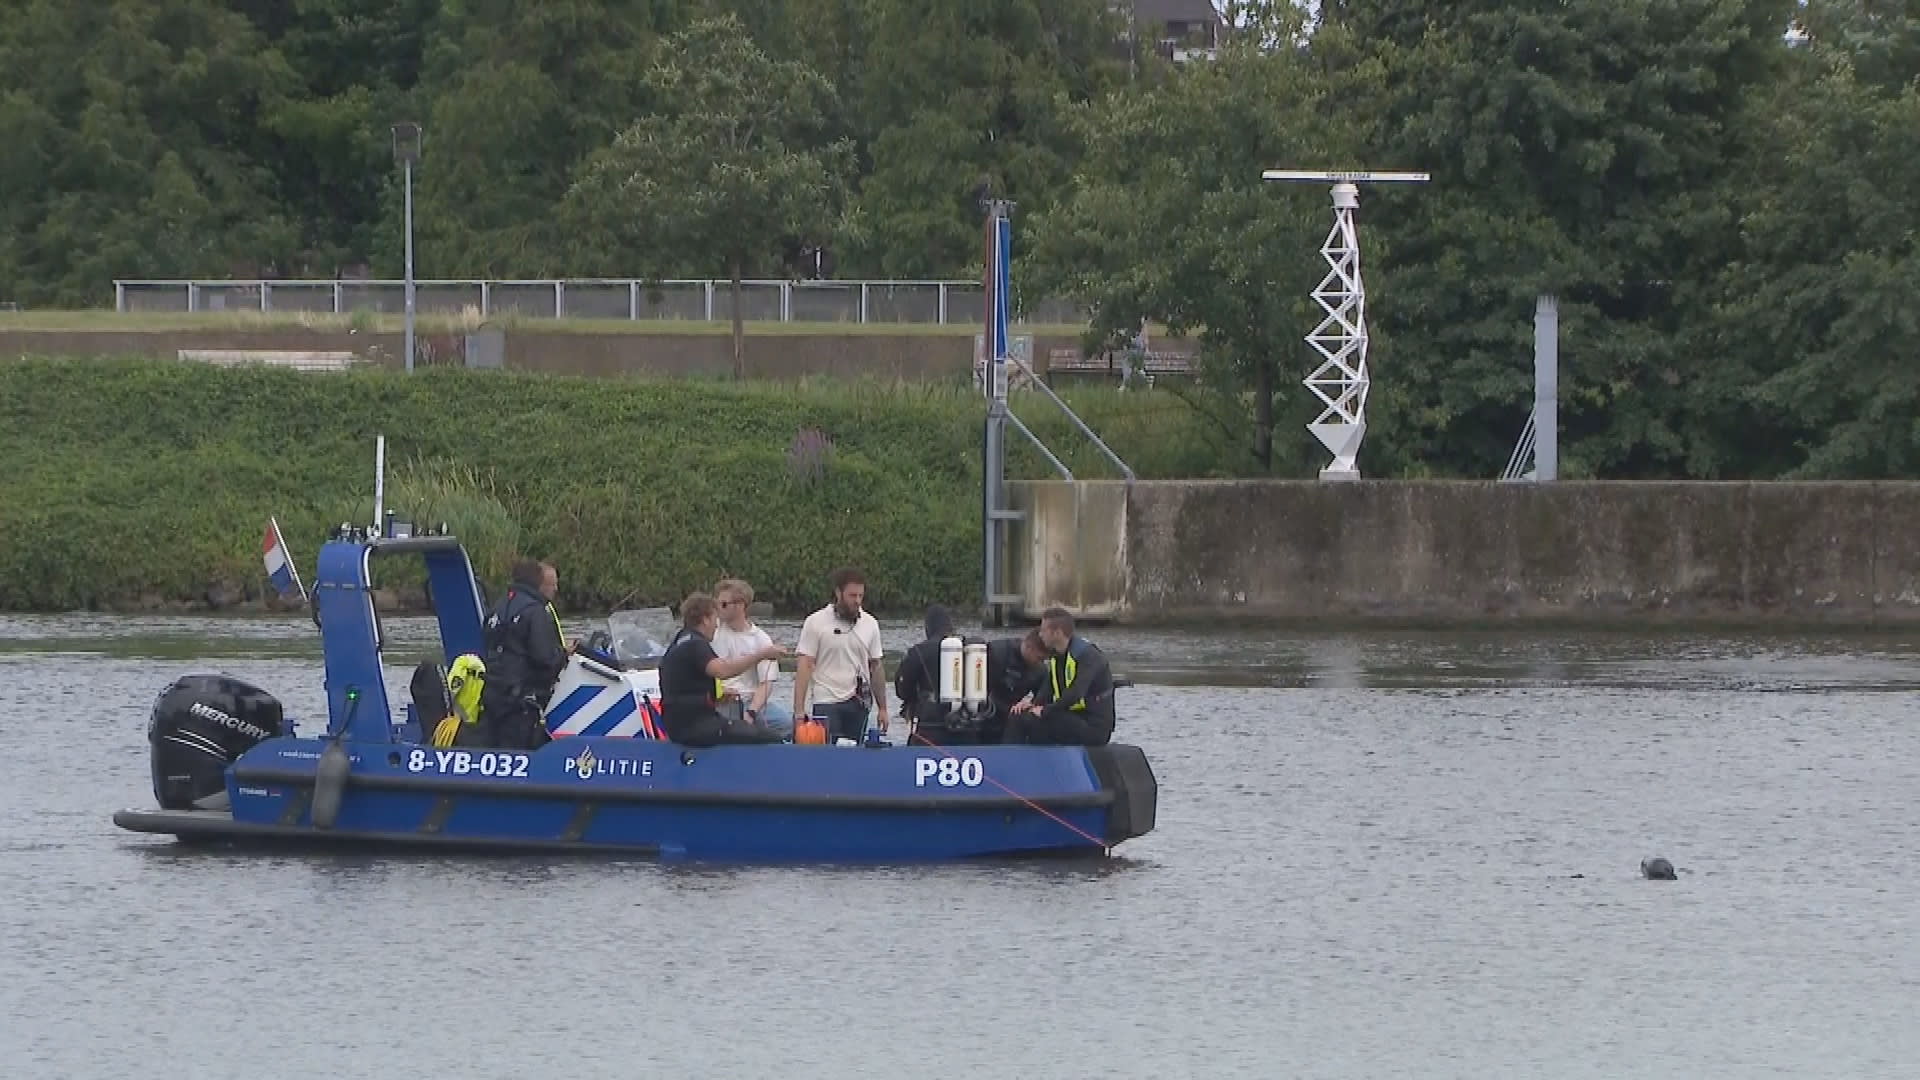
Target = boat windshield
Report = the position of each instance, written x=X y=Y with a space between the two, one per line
x=640 y=636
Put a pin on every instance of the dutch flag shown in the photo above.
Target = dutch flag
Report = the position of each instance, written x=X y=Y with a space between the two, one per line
x=280 y=571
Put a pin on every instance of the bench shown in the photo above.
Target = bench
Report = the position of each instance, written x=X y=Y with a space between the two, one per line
x=1065 y=360
x=299 y=361
x=1152 y=363
x=1148 y=365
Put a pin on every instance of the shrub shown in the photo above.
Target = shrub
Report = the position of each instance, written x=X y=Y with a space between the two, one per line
x=130 y=478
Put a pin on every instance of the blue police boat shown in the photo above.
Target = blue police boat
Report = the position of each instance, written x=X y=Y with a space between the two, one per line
x=228 y=765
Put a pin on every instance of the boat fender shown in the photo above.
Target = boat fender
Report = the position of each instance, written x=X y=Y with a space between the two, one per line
x=329 y=784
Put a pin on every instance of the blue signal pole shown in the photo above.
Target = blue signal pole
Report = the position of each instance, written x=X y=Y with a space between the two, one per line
x=994 y=512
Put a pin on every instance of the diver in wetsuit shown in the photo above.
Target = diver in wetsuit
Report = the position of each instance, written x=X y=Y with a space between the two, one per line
x=690 y=674
x=917 y=681
x=525 y=656
x=1074 y=705
x=1015 y=668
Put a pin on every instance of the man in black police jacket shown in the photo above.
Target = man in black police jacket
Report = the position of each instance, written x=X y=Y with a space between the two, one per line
x=525 y=656
x=1074 y=704
x=690 y=675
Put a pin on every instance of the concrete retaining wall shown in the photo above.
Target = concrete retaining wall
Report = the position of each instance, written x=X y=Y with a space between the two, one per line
x=559 y=352
x=1845 y=553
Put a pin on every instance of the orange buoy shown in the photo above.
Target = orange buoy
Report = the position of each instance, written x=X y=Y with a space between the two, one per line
x=809 y=732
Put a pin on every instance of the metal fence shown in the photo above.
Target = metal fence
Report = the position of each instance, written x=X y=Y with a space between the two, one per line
x=936 y=302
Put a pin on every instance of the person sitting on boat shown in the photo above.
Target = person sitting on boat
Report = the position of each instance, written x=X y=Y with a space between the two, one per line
x=526 y=654
x=738 y=636
x=840 y=662
x=1015 y=668
x=917 y=682
x=690 y=687
x=1074 y=704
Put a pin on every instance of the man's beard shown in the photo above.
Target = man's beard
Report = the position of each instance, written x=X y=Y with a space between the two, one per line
x=851 y=614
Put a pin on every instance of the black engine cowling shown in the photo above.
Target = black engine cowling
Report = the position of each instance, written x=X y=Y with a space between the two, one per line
x=200 y=725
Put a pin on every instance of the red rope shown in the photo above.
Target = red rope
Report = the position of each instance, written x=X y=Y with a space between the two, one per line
x=1089 y=837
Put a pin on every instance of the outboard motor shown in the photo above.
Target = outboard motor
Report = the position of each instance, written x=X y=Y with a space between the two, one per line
x=202 y=724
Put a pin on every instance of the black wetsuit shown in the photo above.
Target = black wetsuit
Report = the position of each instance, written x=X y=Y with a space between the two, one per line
x=1009 y=678
x=917 y=684
x=1076 y=696
x=525 y=657
x=689 y=702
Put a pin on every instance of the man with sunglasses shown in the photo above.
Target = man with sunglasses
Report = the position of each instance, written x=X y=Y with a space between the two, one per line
x=739 y=636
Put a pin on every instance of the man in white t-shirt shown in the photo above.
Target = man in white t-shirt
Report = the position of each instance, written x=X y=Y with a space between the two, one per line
x=738 y=636
x=839 y=662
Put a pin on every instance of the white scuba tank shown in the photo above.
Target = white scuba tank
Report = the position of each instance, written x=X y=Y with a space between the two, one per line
x=975 y=695
x=952 y=675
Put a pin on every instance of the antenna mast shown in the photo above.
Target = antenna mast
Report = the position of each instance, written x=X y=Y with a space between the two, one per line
x=1340 y=382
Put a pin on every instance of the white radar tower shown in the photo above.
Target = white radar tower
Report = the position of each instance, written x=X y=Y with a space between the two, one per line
x=1340 y=382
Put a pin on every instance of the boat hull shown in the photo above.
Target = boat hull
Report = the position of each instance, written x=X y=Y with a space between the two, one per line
x=760 y=803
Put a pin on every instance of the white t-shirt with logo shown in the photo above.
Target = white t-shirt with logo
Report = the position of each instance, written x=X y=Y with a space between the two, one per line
x=729 y=643
x=841 y=651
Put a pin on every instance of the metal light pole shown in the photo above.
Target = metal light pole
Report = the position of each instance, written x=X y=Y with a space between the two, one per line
x=406 y=151
x=1540 y=436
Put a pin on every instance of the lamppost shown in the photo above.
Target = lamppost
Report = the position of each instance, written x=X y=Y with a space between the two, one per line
x=406 y=151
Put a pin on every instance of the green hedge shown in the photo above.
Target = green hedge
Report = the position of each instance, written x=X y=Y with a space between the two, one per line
x=132 y=482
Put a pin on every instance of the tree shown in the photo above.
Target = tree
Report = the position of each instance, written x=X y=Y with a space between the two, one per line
x=513 y=97
x=1588 y=148
x=131 y=149
x=951 y=93
x=727 y=173
x=1816 y=319
x=1881 y=38
x=1169 y=220
x=358 y=61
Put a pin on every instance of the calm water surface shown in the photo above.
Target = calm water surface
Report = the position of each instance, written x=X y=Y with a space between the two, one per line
x=1377 y=855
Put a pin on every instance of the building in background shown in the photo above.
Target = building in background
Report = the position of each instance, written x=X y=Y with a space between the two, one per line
x=1180 y=31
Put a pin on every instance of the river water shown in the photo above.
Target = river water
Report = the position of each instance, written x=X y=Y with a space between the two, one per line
x=1377 y=855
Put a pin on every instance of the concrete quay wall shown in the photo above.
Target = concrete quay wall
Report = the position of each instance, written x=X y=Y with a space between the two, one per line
x=1470 y=551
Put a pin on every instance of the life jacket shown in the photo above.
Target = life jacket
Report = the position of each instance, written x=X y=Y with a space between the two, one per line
x=456 y=697
x=465 y=679
x=1061 y=669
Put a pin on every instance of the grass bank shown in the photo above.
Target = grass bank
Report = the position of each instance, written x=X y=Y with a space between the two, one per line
x=135 y=484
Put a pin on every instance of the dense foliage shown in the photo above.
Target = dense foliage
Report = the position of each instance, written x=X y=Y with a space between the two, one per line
x=148 y=482
x=1723 y=193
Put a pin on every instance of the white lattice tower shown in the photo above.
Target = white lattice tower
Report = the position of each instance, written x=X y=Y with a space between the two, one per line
x=1341 y=380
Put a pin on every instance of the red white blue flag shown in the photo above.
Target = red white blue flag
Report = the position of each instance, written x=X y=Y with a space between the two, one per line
x=280 y=571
